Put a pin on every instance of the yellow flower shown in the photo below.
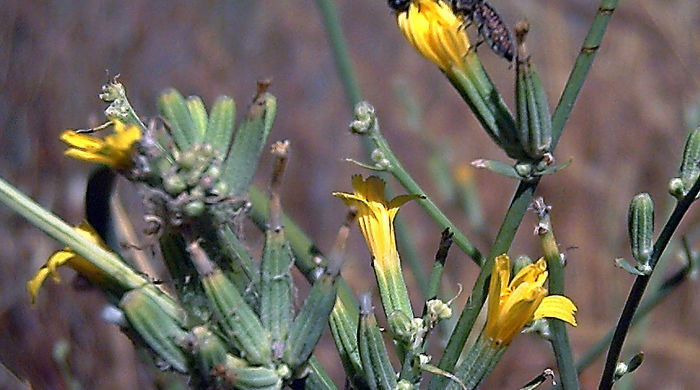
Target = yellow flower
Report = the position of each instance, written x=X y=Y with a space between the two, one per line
x=523 y=299
x=375 y=216
x=436 y=32
x=70 y=258
x=114 y=150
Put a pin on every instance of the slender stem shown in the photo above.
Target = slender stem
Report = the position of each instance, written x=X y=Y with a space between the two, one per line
x=411 y=257
x=511 y=221
x=439 y=264
x=53 y=226
x=560 y=339
x=307 y=258
x=524 y=193
x=640 y=285
x=124 y=278
x=580 y=70
x=343 y=64
x=400 y=173
x=647 y=305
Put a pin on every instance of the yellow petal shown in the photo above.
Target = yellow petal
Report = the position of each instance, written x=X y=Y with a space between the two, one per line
x=114 y=150
x=497 y=286
x=512 y=320
x=67 y=257
x=57 y=259
x=399 y=201
x=81 y=141
x=531 y=273
x=89 y=157
x=557 y=306
x=434 y=30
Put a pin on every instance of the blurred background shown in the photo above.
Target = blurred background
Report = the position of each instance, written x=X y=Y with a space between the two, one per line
x=625 y=136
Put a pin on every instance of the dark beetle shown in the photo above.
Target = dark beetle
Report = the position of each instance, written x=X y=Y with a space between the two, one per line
x=491 y=26
x=399 y=5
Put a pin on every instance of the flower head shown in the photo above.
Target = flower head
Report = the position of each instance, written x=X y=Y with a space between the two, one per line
x=114 y=150
x=513 y=303
x=375 y=215
x=66 y=256
x=436 y=32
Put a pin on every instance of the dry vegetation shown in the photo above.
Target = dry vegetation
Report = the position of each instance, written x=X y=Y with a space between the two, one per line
x=624 y=136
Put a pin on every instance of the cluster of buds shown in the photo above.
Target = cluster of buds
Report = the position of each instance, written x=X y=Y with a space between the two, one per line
x=231 y=322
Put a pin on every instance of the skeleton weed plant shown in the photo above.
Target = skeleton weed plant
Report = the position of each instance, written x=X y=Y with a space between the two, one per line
x=228 y=321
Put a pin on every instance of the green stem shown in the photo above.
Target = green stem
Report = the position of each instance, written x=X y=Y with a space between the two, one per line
x=514 y=215
x=524 y=193
x=410 y=256
x=343 y=63
x=123 y=278
x=307 y=257
x=640 y=285
x=398 y=171
x=647 y=305
x=560 y=339
x=581 y=67
x=478 y=364
x=439 y=264
x=107 y=262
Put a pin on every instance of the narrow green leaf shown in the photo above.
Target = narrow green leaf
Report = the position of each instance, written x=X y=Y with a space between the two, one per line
x=310 y=322
x=242 y=160
x=276 y=286
x=174 y=109
x=378 y=371
x=198 y=113
x=220 y=128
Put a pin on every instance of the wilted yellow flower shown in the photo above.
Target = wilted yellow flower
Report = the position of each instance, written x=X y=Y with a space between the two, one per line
x=375 y=216
x=513 y=303
x=114 y=150
x=436 y=32
x=67 y=257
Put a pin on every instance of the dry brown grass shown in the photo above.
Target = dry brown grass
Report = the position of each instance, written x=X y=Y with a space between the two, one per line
x=624 y=136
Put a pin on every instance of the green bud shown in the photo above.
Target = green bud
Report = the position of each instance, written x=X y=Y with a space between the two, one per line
x=676 y=187
x=220 y=127
x=640 y=222
x=276 y=304
x=401 y=326
x=209 y=349
x=627 y=367
x=378 y=371
x=194 y=208
x=174 y=184
x=155 y=328
x=198 y=113
x=365 y=118
x=242 y=160
x=162 y=166
x=214 y=172
x=187 y=159
x=309 y=324
x=690 y=166
x=521 y=262
x=438 y=310
x=240 y=376
x=174 y=109
x=405 y=385
x=523 y=169
x=220 y=188
x=241 y=326
x=532 y=112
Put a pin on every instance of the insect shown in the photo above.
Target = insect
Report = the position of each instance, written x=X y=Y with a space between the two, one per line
x=491 y=26
x=399 y=5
